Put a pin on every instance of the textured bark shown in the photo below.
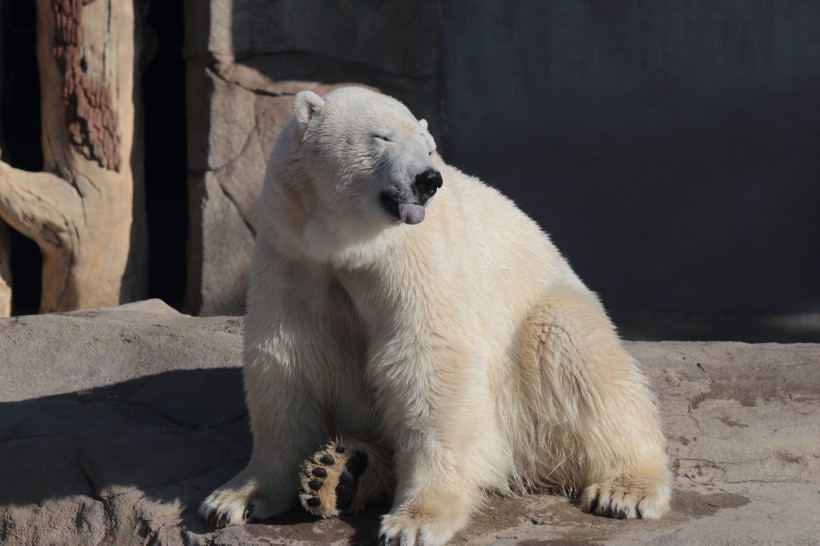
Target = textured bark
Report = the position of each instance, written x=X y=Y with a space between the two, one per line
x=82 y=211
x=90 y=118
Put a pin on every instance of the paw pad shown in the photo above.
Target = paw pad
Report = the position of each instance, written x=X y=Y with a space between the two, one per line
x=330 y=478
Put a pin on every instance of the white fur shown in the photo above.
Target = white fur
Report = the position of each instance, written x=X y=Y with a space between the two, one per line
x=465 y=342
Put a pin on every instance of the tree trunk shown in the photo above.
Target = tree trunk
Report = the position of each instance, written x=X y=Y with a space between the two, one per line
x=5 y=271
x=85 y=210
x=5 y=244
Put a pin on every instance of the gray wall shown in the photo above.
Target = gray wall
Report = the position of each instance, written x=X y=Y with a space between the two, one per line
x=669 y=146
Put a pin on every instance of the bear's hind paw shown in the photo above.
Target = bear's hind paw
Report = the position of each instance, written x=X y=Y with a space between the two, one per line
x=330 y=478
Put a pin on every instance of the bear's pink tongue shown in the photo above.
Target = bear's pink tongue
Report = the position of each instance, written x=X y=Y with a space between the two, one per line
x=410 y=213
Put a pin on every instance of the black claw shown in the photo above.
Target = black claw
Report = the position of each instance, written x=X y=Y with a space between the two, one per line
x=381 y=540
x=327 y=459
x=222 y=521
x=315 y=485
x=593 y=505
x=340 y=449
x=313 y=502
x=247 y=515
x=320 y=472
x=212 y=519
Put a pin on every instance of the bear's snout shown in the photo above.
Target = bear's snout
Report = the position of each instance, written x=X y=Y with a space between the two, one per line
x=426 y=184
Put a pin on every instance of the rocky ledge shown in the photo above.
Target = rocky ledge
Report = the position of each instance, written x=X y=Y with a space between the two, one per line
x=115 y=423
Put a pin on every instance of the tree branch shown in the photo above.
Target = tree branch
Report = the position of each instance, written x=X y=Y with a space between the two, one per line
x=41 y=206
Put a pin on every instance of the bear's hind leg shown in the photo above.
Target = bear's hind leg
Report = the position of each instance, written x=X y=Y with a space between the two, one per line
x=344 y=476
x=597 y=420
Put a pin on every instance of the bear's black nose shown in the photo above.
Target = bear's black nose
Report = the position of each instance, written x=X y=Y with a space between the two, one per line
x=427 y=183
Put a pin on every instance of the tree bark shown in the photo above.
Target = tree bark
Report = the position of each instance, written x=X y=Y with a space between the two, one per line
x=85 y=209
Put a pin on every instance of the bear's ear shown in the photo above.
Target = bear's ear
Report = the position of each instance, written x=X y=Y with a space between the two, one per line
x=423 y=124
x=306 y=104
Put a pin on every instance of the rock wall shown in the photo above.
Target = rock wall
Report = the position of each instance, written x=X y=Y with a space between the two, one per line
x=245 y=61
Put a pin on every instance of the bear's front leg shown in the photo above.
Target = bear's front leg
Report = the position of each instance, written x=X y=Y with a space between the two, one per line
x=438 y=413
x=286 y=426
x=434 y=497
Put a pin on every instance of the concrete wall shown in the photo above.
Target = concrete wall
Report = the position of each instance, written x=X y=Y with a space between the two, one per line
x=669 y=146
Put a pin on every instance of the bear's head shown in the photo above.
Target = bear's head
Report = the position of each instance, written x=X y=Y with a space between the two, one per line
x=348 y=167
x=372 y=155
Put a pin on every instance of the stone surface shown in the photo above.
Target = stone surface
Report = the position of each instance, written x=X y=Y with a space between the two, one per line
x=245 y=61
x=115 y=423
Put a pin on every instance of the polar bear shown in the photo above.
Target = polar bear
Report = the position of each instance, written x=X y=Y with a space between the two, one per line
x=424 y=335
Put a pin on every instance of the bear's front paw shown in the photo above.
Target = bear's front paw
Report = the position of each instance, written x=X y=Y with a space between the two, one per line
x=239 y=501
x=416 y=526
x=626 y=499
x=330 y=478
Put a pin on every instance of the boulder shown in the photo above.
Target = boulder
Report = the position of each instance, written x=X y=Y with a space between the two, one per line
x=115 y=423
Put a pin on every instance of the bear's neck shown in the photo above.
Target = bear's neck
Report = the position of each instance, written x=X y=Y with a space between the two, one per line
x=301 y=227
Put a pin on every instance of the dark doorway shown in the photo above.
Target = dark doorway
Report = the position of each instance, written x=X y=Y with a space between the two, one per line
x=165 y=151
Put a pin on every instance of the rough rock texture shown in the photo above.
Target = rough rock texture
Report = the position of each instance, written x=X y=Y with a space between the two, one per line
x=245 y=61
x=115 y=423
